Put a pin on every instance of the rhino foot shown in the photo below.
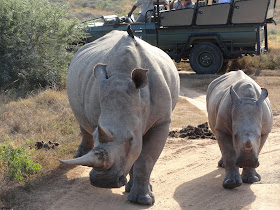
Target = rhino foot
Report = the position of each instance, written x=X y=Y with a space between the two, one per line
x=137 y=196
x=147 y=199
x=230 y=184
x=232 y=181
x=249 y=175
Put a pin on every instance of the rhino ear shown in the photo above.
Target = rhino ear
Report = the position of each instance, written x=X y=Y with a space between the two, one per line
x=234 y=97
x=263 y=96
x=99 y=71
x=139 y=78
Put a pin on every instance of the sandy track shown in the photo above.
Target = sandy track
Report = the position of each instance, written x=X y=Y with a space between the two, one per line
x=186 y=176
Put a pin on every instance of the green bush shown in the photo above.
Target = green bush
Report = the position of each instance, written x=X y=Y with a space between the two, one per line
x=16 y=163
x=35 y=38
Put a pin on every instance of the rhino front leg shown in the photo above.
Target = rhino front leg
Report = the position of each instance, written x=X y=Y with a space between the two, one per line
x=250 y=175
x=232 y=178
x=86 y=144
x=153 y=143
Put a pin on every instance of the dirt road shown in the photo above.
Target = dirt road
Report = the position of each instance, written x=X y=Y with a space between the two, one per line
x=186 y=176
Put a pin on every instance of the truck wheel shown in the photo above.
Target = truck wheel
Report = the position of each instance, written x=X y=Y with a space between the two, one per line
x=206 y=58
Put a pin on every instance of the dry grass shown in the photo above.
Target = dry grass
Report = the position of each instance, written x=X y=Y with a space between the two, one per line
x=43 y=117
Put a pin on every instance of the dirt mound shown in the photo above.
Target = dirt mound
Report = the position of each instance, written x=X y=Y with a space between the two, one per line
x=190 y=132
x=44 y=145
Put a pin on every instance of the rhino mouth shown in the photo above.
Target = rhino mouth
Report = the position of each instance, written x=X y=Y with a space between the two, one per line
x=107 y=179
x=247 y=162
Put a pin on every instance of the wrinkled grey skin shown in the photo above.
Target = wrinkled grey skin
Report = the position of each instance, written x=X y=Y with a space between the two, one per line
x=122 y=92
x=240 y=116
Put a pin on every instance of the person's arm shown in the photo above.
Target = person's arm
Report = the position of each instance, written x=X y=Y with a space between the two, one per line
x=132 y=10
x=171 y=4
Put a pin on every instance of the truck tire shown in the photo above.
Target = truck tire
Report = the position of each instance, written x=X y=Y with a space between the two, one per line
x=206 y=58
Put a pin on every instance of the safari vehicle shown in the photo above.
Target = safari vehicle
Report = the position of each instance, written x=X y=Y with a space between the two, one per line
x=207 y=36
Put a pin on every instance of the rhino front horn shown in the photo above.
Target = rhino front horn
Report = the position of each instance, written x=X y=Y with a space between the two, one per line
x=248 y=145
x=95 y=158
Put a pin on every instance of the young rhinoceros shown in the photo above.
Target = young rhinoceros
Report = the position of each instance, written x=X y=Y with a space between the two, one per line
x=240 y=115
x=122 y=91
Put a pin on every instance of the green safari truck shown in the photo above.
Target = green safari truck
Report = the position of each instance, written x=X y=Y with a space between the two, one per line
x=207 y=36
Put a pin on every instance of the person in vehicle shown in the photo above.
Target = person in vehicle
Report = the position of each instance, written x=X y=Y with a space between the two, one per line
x=175 y=4
x=181 y=4
x=146 y=5
x=222 y=1
x=187 y=4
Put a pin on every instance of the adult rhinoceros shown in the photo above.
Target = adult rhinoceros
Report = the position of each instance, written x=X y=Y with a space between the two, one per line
x=122 y=91
x=240 y=115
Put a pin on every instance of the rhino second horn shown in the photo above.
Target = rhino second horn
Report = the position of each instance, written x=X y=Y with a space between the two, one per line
x=91 y=159
x=104 y=135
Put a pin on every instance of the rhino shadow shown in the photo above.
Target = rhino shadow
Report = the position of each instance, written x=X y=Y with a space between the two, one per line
x=80 y=194
x=206 y=192
x=57 y=191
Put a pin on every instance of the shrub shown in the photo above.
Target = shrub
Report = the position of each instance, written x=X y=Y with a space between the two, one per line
x=16 y=163
x=34 y=38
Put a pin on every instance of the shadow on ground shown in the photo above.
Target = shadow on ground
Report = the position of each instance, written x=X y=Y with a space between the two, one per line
x=206 y=192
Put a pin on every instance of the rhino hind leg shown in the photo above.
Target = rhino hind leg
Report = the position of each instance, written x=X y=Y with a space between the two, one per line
x=86 y=144
x=221 y=163
x=250 y=175
x=129 y=184
x=141 y=190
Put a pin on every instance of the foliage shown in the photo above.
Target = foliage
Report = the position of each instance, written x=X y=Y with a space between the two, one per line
x=269 y=60
x=34 y=38
x=88 y=9
x=16 y=163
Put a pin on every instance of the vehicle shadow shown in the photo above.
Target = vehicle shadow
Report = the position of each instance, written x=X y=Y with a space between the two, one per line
x=206 y=192
x=195 y=82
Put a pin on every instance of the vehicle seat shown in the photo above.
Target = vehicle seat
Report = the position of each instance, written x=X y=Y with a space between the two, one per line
x=249 y=11
x=271 y=7
x=180 y=17
x=216 y=14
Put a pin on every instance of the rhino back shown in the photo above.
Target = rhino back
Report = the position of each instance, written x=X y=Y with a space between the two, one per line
x=121 y=54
